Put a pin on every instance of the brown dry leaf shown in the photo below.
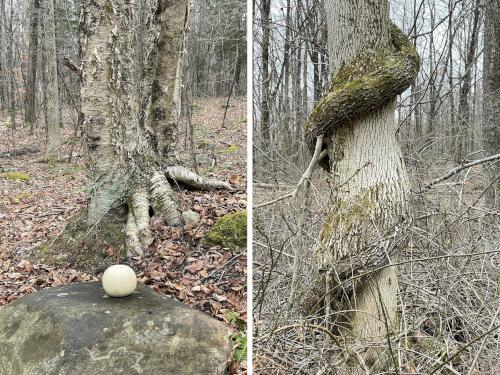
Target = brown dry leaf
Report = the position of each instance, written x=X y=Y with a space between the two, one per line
x=234 y=179
x=195 y=267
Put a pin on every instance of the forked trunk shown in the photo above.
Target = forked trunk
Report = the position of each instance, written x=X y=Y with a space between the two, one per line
x=124 y=165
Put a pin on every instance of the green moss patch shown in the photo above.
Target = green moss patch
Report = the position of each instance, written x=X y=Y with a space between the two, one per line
x=231 y=149
x=15 y=176
x=230 y=231
x=22 y=197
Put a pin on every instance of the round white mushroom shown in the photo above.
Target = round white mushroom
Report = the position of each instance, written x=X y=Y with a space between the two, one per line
x=119 y=280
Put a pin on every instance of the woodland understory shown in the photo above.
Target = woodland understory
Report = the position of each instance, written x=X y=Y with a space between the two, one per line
x=38 y=199
x=448 y=295
x=446 y=127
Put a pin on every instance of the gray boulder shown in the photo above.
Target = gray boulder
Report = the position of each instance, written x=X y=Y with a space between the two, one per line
x=77 y=329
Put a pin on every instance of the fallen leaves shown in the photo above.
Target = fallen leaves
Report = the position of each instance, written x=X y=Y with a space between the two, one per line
x=177 y=263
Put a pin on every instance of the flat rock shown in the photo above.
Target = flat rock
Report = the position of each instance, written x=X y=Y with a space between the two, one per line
x=77 y=329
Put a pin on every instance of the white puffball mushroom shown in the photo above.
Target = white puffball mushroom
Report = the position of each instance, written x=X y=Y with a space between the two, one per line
x=119 y=280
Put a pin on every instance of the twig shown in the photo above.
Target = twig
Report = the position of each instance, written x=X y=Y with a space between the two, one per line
x=71 y=66
x=304 y=325
x=452 y=357
x=454 y=171
x=221 y=267
x=317 y=156
x=482 y=343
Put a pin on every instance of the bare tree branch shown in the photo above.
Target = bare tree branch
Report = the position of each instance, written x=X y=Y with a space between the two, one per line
x=454 y=171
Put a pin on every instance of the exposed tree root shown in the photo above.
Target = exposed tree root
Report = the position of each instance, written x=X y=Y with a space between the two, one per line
x=130 y=205
x=183 y=175
x=161 y=198
x=138 y=232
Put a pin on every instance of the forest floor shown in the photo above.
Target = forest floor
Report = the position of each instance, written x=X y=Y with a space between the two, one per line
x=37 y=203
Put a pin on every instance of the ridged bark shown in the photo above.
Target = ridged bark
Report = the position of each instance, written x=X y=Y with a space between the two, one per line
x=371 y=63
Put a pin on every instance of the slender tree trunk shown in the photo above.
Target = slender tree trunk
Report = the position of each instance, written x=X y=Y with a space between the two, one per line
x=10 y=62
x=451 y=36
x=463 y=102
x=51 y=82
x=265 y=15
x=432 y=74
x=491 y=94
x=4 y=69
x=30 y=99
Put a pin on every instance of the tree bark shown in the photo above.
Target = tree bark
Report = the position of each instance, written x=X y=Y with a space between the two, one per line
x=265 y=15
x=10 y=62
x=51 y=83
x=491 y=93
x=123 y=165
x=463 y=101
x=4 y=69
x=166 y=86
x=29 y=115
x=128 y=137
x=369 y=207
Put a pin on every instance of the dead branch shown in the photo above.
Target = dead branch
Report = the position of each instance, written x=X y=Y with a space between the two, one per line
x=317 y=156
x=454 y=171
x=20 y=152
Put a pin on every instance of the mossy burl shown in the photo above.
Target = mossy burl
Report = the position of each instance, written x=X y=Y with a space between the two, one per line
x=364 y=86
x=230 y=231
x=349 y=213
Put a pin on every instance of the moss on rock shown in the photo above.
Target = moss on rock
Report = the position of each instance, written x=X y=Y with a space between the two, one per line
x=230 y=231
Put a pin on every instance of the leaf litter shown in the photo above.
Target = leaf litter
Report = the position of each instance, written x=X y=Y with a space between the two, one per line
x=178 y=263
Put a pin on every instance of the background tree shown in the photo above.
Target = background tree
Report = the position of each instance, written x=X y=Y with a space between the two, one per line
x=491 y=94
x=50 y=82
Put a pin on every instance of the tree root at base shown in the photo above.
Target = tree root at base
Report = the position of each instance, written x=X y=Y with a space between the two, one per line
x=135 y=202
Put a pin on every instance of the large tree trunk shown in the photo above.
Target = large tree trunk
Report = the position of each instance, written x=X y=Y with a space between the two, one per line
x=369 y=208
x=51 y=83
x=123 y=163
x=491 y=97
x=131 y=130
